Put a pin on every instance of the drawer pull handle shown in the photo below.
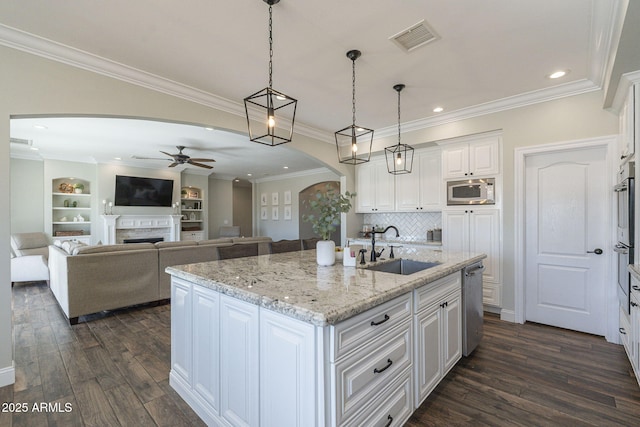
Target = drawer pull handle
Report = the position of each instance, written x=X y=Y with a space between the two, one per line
x=390 y=418
x=378 y=371
x=636 y=288
x=622 y=331
x=386 y=317
x=633 y=304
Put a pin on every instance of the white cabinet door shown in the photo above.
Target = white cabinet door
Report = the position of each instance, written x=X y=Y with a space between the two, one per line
x=428 y=354
x=365 y=198
x=455 y=161
x=484 y=157
x=455 y=231
x=375 y=187
x=239 y=372
x=422 y=189
x=476 y=230
x=628 y=124
x=181 y=332
x=484 y=237
x=287 y=371
x=452 y=331
x=480 y=157
x=206 y=349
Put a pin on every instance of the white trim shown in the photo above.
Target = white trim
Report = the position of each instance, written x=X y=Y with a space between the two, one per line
x=293 y=175
x=508 y=315
x=626 y=81
x=8 y=375
x=530 y=98
x=520 y=155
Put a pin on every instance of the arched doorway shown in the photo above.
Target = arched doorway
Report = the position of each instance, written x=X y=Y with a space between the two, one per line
x=304 y=228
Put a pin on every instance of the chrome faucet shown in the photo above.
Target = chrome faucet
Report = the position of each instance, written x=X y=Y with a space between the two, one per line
x=375 y=254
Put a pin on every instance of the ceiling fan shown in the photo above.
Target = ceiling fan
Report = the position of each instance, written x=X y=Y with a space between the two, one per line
x=180 y=159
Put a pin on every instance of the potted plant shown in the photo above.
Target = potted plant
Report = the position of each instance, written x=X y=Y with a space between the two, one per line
x=327 y=207
x=78 y=188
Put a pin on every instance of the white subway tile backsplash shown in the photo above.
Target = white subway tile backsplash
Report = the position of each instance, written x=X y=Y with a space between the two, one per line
x=412 y=225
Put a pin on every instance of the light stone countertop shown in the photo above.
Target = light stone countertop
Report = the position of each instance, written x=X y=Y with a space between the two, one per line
x=293 y=284
x=634 y=269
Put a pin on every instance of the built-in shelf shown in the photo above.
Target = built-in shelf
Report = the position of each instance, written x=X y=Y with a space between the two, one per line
x=68 y=204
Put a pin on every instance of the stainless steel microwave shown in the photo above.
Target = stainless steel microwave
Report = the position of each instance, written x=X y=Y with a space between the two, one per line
x=479 y=191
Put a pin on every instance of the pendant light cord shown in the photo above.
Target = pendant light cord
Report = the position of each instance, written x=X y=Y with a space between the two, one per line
x=270 y=47
x=353 y=93
x=398 y=118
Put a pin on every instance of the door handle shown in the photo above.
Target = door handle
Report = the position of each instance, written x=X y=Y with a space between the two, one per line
x=596 y=251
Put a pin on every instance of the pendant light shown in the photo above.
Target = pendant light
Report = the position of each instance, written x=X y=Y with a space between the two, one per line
x=399 y=156
x=354 y=142
x=270 y=107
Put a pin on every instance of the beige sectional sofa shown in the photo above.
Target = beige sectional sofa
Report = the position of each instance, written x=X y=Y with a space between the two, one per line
x=90 y=279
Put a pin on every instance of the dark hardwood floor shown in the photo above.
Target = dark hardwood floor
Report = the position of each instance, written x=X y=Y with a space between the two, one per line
x=114 y=370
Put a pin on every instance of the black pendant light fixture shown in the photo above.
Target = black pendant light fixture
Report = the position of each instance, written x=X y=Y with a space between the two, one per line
x=354 y=142
x=270 y=108
x=399 y=156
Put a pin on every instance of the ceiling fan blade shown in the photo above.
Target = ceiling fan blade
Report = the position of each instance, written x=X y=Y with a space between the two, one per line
x=174 y=164
x=202 y=160
x=148 y=158
x=164 y=152
x=201 y=165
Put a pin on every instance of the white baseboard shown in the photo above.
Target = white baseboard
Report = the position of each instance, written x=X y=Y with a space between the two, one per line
x=508 y=315
x=8 y=375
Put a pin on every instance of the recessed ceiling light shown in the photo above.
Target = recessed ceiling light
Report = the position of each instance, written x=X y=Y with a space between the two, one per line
x=438 y=110
x=236 y=180
x=249 y=174
x=558 y=74
x=40 y=126
x=35 y=148
x=208 y=128
x=117 y=158
x=285 y=167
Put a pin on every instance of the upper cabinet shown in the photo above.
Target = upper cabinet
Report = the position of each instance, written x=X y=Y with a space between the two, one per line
x=477 y=157
x=375 y=188
x=629 y=123
x=422 y=189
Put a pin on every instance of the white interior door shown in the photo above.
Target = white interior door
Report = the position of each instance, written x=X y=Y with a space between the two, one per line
x=566 y=219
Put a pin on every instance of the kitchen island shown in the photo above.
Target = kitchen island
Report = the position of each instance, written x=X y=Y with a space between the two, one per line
x=278 y=340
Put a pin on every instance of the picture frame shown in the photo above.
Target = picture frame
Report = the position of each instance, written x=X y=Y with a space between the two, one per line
x=287 y=213
x=274 y=213
x=192 y=194
x=274 y=199
x=263 y=213
x=287 y=197
x=263 y=199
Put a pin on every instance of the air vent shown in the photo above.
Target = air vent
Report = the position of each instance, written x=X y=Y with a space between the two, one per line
x=20 y=141
x=415 y=36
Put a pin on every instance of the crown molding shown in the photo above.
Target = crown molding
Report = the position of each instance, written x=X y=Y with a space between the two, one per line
x=35 y=45
x=292 y=175
x=530 y=98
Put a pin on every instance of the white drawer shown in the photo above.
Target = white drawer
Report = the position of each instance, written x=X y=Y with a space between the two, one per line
x=393 y=407
x=435 y=291
x=357 y=331
x=625 y=329
x=365 y=373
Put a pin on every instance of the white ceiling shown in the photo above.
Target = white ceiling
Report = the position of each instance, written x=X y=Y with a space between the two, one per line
x=491 y=54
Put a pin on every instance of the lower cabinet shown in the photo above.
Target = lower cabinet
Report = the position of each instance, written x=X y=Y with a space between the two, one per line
x=438 y=344
x=238 y=364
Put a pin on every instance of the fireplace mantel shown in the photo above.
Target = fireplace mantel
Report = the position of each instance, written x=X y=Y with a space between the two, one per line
x=113 y=223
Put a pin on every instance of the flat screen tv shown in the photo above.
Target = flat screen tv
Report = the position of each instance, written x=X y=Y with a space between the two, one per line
x=139 y=191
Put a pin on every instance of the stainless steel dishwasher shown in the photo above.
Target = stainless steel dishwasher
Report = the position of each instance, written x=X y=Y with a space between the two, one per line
x=472 y=312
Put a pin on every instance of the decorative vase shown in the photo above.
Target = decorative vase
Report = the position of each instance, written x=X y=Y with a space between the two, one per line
x=326 y=252
x=78 y=190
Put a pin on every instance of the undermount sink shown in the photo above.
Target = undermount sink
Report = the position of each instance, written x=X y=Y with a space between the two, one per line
x=403 y=266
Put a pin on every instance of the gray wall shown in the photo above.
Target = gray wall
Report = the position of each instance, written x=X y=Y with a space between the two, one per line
x=243 y=209
x=27 y=196
x=220 y=205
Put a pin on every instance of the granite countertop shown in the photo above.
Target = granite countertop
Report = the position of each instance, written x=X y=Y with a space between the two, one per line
x=293 y=284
